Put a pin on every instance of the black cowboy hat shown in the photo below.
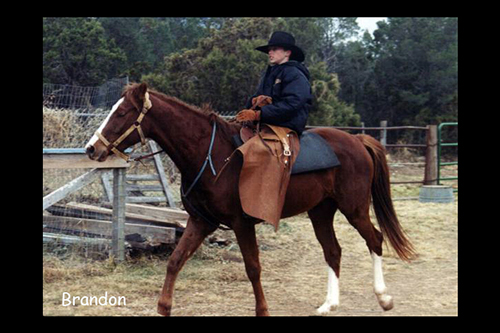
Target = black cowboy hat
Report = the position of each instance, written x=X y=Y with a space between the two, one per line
x=284 y=39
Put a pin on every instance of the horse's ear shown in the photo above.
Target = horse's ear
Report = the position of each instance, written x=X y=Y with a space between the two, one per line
x=141 y=90
x=144 y=96
x=140 y=96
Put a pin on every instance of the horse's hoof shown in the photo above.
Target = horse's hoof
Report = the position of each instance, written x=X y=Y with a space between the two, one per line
x=385 y=302
x=327 y=307
x=264 y=313
x=164 y=310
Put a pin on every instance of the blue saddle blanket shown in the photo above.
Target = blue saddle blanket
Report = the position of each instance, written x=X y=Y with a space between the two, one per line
x=315 y=153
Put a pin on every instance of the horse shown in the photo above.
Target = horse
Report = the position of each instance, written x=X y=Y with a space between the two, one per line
x=194 y=138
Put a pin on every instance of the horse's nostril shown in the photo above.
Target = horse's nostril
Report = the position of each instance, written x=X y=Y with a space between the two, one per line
x=90 y=150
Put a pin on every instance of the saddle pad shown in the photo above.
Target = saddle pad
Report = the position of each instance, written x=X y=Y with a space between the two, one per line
x=315 y=153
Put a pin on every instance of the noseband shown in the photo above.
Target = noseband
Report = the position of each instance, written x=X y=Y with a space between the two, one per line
x=137 y=125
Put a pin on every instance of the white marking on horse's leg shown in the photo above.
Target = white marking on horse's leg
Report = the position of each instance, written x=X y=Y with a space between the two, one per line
x=94 y=138
x=332 y=294
x=379 y=287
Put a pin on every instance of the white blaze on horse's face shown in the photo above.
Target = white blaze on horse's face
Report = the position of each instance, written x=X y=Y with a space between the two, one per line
x=94 y=138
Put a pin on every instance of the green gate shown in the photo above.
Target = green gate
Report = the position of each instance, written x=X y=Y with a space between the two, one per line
x=445 y=144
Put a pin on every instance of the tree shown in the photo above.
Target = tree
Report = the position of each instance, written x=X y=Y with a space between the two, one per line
x=416 y=69
x=224 y=69
x=355 y=66
x=147 y=40
x=327 y=109
x=76 y=51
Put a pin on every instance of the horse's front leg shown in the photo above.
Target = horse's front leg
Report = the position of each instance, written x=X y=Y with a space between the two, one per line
x=245 y=234
x=193 y=236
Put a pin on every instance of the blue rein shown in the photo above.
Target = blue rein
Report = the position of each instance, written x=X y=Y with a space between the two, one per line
x=208 y=160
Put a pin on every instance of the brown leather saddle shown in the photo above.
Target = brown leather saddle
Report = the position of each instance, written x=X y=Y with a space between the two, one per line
x=246 y=133
x=315 y=153
x=268 y=155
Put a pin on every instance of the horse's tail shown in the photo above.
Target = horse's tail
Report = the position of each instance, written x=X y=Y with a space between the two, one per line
x=382 y=202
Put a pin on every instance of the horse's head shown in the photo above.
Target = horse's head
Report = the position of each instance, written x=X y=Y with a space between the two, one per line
x=123 y=127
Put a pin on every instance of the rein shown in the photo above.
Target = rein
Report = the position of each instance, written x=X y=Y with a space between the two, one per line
x=208 y=160
x=203 y=213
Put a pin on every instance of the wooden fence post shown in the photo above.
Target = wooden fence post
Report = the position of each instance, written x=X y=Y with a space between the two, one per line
x=431 y=172
x=119 y=197
x=383 y=133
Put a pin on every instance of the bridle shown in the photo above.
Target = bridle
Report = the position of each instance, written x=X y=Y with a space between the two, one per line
x=135 y=126
x=202 y=213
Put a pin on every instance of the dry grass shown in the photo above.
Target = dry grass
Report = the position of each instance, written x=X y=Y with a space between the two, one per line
x=214 y=283
x=65 y=129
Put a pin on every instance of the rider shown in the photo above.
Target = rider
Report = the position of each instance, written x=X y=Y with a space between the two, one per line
x=281 y=104
x=284 y=93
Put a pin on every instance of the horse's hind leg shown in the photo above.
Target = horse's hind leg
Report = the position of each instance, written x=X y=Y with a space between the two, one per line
x=322 y=220
x=194 y=234
x=360 y=220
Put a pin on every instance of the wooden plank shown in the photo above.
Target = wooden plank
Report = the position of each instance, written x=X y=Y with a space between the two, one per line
x=147 y=188
x=65 y=239
x=91 y=211
x=70 y=187
x=154 y=233
x=72 y=161
x=106 y=184
x=63 y=150
x=146 y=199
x=162 y=213
x=161 y=173
x=143 y=177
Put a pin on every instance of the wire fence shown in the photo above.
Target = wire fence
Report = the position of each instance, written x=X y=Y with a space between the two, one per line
x=63 y=96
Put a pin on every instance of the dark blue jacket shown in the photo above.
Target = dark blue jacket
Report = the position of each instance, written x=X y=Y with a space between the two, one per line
x=288 y=85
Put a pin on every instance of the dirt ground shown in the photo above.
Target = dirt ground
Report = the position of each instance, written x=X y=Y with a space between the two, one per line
x=294 y=274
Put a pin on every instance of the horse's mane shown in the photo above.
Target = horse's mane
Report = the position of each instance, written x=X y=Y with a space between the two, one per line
x=228 y=127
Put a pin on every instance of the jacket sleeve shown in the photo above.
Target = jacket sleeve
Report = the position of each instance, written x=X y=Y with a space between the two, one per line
x=296 y=92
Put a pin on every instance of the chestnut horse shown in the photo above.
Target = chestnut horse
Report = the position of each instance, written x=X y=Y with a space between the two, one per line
x=194 y=139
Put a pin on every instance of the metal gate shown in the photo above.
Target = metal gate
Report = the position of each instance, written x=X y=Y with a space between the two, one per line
x=440 y=146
